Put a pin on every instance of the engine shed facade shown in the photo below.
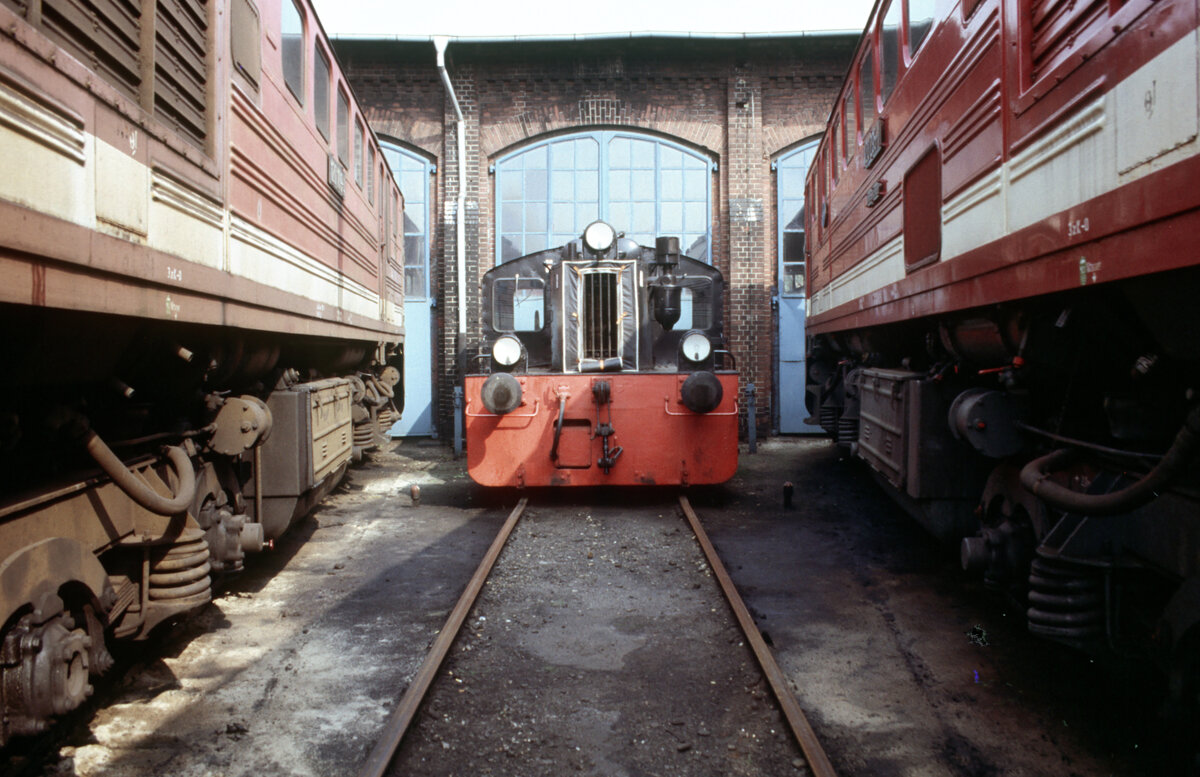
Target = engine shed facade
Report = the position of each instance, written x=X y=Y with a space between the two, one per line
x=660 y=135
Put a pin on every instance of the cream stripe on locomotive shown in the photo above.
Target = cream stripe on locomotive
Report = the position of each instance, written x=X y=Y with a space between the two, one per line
x=53 y=166
x=1147 y=122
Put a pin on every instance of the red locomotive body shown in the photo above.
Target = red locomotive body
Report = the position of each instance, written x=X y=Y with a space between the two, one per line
x=604 y=364
x=200 y=257
x=1002 y=278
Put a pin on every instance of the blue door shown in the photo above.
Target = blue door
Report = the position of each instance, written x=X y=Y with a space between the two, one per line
x=412 y=172
x=790 y=173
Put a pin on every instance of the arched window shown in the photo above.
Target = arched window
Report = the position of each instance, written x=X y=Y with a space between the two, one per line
x=790 y=171
x=643 y=185
x=412 y=173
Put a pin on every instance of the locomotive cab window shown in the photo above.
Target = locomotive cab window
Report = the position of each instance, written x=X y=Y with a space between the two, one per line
x=321 y=77
x=343 y=127
x=292 y=48
x=519 y=304
x=920 y=22
x=889 y=54
x=371 y=174
x=866 y=90
x=851 y=125
x=358 y=153
x=245 y=33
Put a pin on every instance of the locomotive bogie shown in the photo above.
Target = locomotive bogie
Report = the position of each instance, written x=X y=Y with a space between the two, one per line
x=201 y=297
x=1003 y=279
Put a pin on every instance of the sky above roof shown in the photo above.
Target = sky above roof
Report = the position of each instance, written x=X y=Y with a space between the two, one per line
x=478 y=19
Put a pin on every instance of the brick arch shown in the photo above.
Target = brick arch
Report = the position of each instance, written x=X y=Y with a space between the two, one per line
x=541 y=122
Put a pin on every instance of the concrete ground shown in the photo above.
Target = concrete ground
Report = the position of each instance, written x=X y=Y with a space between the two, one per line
x=904 y=666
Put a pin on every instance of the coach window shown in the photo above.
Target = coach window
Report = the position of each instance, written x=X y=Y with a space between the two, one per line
x=246 y=33
x=851 y=137
x=866 y=90
x=343 y=127
x=358 y=153
x=321 y=75
x=920 y=22
x=292 y=35
x=889 y=54
x=790 y=173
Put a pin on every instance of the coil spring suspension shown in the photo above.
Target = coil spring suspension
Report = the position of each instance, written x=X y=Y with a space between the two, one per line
x=827 y=417
x=847 y=429
x=1066 y=600
x=179 y=572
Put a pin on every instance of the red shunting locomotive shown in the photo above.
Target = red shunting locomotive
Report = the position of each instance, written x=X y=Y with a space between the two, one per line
x=606 y=365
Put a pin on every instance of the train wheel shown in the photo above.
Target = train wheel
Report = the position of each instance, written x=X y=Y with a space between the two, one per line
x=44 y=666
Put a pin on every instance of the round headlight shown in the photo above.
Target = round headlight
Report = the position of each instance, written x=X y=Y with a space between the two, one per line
x=696 y=347
x=599 y=237
x=507 y=351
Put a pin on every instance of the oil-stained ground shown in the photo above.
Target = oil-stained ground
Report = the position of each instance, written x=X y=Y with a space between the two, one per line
x=904 y=665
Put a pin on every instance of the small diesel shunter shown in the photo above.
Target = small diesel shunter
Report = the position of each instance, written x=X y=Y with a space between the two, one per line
x=606 y=365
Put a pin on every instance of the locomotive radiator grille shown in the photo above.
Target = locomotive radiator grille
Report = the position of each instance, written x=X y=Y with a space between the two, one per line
x=600 y=316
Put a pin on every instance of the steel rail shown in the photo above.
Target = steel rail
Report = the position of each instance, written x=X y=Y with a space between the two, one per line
x=396 y=726
x=818 y=762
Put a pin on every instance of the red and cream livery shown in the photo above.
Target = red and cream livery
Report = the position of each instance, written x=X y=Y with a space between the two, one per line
x=1003 y=273
x=200 y=261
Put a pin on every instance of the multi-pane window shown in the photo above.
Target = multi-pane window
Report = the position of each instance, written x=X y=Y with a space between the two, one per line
x=358 y=153
x=343 y=127
x=889 y=54
x=321 y=75
x=548 y=194
x=657 y=188
x=920 y=21
x=292 y=35
x=644 y=187
x=412 y=173
x=790 y=172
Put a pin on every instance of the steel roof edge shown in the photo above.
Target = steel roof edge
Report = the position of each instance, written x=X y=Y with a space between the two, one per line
x=599 y=36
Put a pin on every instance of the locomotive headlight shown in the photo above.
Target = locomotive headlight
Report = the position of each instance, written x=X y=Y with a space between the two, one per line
x=696 y=347
x=599 y=237
x=507 y=351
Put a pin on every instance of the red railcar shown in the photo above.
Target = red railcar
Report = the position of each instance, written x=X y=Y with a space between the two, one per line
x=1003 y=275
x=200 y=264
x=605 y=365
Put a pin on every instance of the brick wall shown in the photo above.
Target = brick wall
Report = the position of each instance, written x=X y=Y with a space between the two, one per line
x=741 y=102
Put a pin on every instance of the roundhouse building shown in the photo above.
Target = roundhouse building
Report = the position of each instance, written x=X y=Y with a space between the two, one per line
x=504 y=147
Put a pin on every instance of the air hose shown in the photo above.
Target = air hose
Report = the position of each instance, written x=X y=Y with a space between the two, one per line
x=1035 y=476
x=136 y=488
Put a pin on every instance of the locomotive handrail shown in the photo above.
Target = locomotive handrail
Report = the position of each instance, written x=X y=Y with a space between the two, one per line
x=467 y=412
x=667 y=401
x=562 y=407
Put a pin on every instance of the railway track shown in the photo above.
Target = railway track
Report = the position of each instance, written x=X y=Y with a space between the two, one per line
x=383 y=755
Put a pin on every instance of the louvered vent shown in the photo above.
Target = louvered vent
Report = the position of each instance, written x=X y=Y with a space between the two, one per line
x=180 y=73
x=103 y=34
x=1060 y=27
x=599 y=315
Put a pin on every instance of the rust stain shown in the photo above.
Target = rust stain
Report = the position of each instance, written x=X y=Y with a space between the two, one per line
x=38 y=291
